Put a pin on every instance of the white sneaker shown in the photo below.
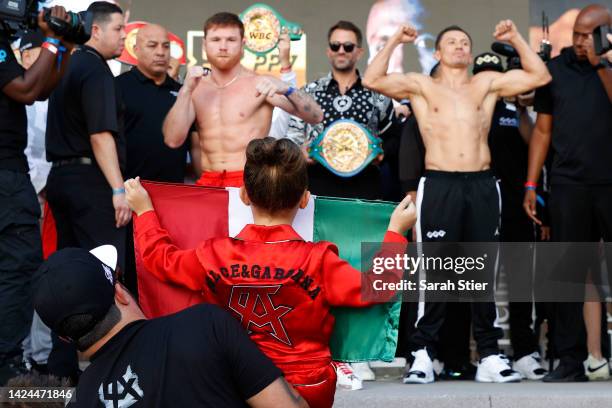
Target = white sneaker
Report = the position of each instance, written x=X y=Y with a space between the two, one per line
x=438 y=366
x=346 y=377
x=496 y=369
x=363 y=371
x=421 y=371
x=530 y=367
x=596 y=370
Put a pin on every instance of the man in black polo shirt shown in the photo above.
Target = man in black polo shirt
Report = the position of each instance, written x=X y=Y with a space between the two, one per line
x=575 y=116
x=20 y=247
x=84 y=142
x=148 y=93
x=199 y=357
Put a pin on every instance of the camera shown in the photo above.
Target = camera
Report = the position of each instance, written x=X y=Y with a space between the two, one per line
x=18 y=15
x=600 y=40
x=513 y=60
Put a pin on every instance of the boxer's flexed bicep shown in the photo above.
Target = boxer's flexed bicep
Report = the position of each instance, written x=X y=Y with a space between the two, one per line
x=514 y=82
x=533 y=73
x=399 y=86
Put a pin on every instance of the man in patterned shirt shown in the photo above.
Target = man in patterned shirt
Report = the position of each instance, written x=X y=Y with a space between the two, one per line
x=342 y=96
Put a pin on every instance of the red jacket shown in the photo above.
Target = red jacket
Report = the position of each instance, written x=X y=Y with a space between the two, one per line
x=280 y=287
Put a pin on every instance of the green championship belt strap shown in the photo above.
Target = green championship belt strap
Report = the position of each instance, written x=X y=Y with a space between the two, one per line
x=345 y=147
x=262 y=28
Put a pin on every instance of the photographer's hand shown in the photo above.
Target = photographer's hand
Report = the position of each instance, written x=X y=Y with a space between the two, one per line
x=39 y=80
x=56 y=11
x=64 y=50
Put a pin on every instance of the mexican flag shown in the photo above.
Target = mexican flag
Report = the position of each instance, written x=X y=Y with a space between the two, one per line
x=192 y=214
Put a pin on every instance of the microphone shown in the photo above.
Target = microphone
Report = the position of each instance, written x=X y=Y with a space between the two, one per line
x=504 y=49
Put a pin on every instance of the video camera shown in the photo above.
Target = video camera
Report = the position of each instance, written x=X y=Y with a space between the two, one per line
x=513 y=60
x=600 y=40
x=18 y=15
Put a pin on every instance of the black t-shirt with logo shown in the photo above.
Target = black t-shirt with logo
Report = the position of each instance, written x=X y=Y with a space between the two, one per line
x=582 y=121
x=146 y=106
x=200 y=357
x=13 y=119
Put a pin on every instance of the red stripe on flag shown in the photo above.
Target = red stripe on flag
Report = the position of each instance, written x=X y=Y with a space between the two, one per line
x=191 y=214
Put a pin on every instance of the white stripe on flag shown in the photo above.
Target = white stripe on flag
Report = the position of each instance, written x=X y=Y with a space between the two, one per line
x=239 y=215
x=304 y=220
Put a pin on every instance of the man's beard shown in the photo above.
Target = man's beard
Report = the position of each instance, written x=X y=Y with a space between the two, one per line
x=346 y=68
x=224 y=63
x=583 y=56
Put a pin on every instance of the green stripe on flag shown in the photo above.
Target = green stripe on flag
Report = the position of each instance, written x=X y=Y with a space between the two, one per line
x=361 y=334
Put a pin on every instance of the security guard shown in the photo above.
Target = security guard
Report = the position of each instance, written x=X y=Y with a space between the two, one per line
x=148 y=93
x=84 y=142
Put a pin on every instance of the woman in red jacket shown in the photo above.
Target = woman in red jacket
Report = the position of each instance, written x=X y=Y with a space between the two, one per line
x=280 y=287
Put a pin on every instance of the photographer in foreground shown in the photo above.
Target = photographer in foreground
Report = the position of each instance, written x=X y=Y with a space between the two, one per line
x=20 y=247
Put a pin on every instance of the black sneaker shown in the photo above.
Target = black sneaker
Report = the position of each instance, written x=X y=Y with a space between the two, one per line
x=465 y=372
x=10 y=368
x=566 y=372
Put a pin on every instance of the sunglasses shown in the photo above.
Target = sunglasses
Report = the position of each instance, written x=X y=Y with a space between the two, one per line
x=348 y=46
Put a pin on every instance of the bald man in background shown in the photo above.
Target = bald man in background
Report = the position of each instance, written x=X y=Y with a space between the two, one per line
x=574 y=122
x=148 y=93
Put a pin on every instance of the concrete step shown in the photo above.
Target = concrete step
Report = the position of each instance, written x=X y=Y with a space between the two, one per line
x=469 y=394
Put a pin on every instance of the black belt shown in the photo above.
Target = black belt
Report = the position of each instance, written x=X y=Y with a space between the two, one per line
x=75 y=160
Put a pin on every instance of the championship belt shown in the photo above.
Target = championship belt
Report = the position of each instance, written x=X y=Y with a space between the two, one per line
x=345 y=147
x=262 y=28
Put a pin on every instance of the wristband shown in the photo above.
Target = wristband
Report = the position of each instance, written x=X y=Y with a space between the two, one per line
x=603 y=64
x=61 y=50
x=285 y=70
x=50 y=47
x=531 y=184
x=118 y=191
x=53 y=41
x=289 y=91
x=530 y=188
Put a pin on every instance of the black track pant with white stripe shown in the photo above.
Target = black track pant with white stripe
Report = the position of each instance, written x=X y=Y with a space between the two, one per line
x=458 y=207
